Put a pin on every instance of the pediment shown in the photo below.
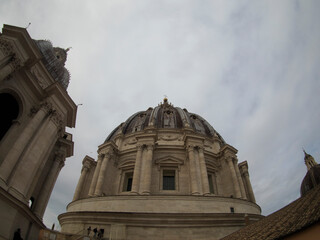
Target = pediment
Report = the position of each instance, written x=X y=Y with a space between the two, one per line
x=213 y=166
x=169 y=161
x=127 y=164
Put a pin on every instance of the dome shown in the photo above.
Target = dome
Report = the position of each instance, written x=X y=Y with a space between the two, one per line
x=166 y=169
x=312 y=178
x=54 y=60
x=165 y=116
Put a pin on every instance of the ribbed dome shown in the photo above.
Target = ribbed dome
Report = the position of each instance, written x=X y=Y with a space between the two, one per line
x=165 y=115
x=54 y=60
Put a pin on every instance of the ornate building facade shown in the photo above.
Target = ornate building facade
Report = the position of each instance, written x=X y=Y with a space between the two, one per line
x=165 y=173
x=35 y=110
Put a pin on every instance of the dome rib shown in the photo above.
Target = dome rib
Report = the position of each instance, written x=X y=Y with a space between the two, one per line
x=165 y=116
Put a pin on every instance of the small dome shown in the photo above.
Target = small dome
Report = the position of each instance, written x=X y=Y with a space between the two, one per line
x=165 y=116
x=311 y=180
x=54 y=60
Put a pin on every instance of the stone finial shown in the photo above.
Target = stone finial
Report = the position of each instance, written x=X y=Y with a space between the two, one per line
x=309 y=160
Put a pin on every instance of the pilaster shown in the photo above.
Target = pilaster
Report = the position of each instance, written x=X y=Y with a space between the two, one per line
x=204 y=174
x=84 y=172
x=137 y=171
x=95 y=175
x=236 y=187
x=192 y=169
x=147 y=165
x=102 y=172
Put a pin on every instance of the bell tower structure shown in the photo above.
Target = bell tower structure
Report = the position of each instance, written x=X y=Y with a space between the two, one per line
x=35 y=111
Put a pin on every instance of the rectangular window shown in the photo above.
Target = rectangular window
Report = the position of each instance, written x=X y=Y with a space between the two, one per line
x=169 y=182
x=210 y=183
x=127 y=183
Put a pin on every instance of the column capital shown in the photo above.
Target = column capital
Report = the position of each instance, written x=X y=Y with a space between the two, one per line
x=150 y=147
x=245 y=173
x=86 y=165
x=44 y=106
x=100 y=157
x=59 y=158
x=190 y=148
x=200 y=149
x=139 y=147
x=228 y=159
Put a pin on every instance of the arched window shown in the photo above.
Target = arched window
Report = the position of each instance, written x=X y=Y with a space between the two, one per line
x=31 y=202
x=9 y=109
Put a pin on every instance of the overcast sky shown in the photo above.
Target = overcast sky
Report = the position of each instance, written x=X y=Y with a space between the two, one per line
x=250 y=68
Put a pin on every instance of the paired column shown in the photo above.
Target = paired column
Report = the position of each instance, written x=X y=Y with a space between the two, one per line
x=147 y=169
x=95 y=175
x=28 y=132
x=83 y=176
x=137 y=171
x=203 y=170
x=234 y=177
x=193 y=171
x=102 y=173
x=42 y=201
x=242 y=189
x=35 y=155
x=249 y=187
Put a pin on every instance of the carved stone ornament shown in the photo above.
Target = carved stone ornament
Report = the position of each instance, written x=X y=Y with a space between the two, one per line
x=57 y=119
x=171 y=138
x=131 y=141
x=46 y=106
x=15 y=62
x=40 y=79
x=6 y=47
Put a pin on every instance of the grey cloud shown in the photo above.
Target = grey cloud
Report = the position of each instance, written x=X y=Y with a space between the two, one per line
x=249 y=68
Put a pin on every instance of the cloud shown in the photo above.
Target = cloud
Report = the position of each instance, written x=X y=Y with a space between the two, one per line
x=249 y=68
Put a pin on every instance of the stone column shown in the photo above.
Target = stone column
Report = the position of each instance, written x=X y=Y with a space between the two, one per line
x=242 y=190
x=83 y=176
x=27 y=133
x=95 y=176
x=234 y=177
x=146 y=184
x=204 y=174
x=42 y=201
x=245 y=174
x=193 y=172
x=33 y=157
x=102 y=172
x=137 y=172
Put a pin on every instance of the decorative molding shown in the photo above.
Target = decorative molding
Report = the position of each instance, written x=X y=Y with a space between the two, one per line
x=171 y=138
x=131 y=141
x=127 y=164
x=213 y=166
